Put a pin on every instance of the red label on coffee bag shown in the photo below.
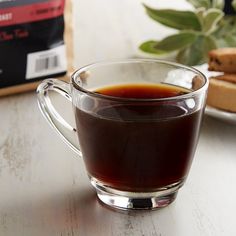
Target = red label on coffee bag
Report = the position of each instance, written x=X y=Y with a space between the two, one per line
x=36 y=11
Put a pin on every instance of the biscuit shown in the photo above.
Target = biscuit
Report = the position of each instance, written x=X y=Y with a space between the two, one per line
x=223 y=60
x=222 y=92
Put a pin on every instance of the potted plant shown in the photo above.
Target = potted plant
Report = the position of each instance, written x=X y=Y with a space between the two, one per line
x=199 y=31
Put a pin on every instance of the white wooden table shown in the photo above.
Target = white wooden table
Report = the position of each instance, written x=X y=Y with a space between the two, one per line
x=44 y=190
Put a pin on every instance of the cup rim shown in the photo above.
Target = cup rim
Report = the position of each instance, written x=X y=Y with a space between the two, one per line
x=139 y=60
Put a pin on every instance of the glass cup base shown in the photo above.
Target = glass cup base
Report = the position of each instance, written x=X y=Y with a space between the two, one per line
x=124 y=200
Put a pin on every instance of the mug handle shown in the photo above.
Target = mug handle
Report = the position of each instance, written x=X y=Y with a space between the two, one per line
x=65 y=130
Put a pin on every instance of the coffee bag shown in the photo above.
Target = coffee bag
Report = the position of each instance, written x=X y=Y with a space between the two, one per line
x=32 y=45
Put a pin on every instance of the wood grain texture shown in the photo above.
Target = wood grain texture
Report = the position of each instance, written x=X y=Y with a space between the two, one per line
x=44 y=189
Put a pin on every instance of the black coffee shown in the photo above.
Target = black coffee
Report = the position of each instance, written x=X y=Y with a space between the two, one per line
x=138 y=147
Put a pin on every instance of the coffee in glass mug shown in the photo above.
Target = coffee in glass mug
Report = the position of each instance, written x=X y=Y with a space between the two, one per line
x=138 y=125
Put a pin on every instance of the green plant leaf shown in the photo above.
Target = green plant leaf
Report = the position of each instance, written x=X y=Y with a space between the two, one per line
x=200 y=14
x=175 y=19
x=227 y=27
x=231 y=40
x=225 y=35
x=210 y=20
x=207 y=4
x=197 y=53
x=188 y=56
x=149 y=47
x=176 y=41
x=227 y=41
x=200 y=3
x=234 y=4
x=218 y=4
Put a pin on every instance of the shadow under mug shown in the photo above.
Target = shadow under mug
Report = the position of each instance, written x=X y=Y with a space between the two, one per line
x=137 y=152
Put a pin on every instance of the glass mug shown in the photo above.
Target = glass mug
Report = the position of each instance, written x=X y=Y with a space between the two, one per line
x=137 y=151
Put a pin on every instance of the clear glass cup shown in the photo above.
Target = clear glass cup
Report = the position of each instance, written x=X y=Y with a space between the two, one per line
x=137 y=151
